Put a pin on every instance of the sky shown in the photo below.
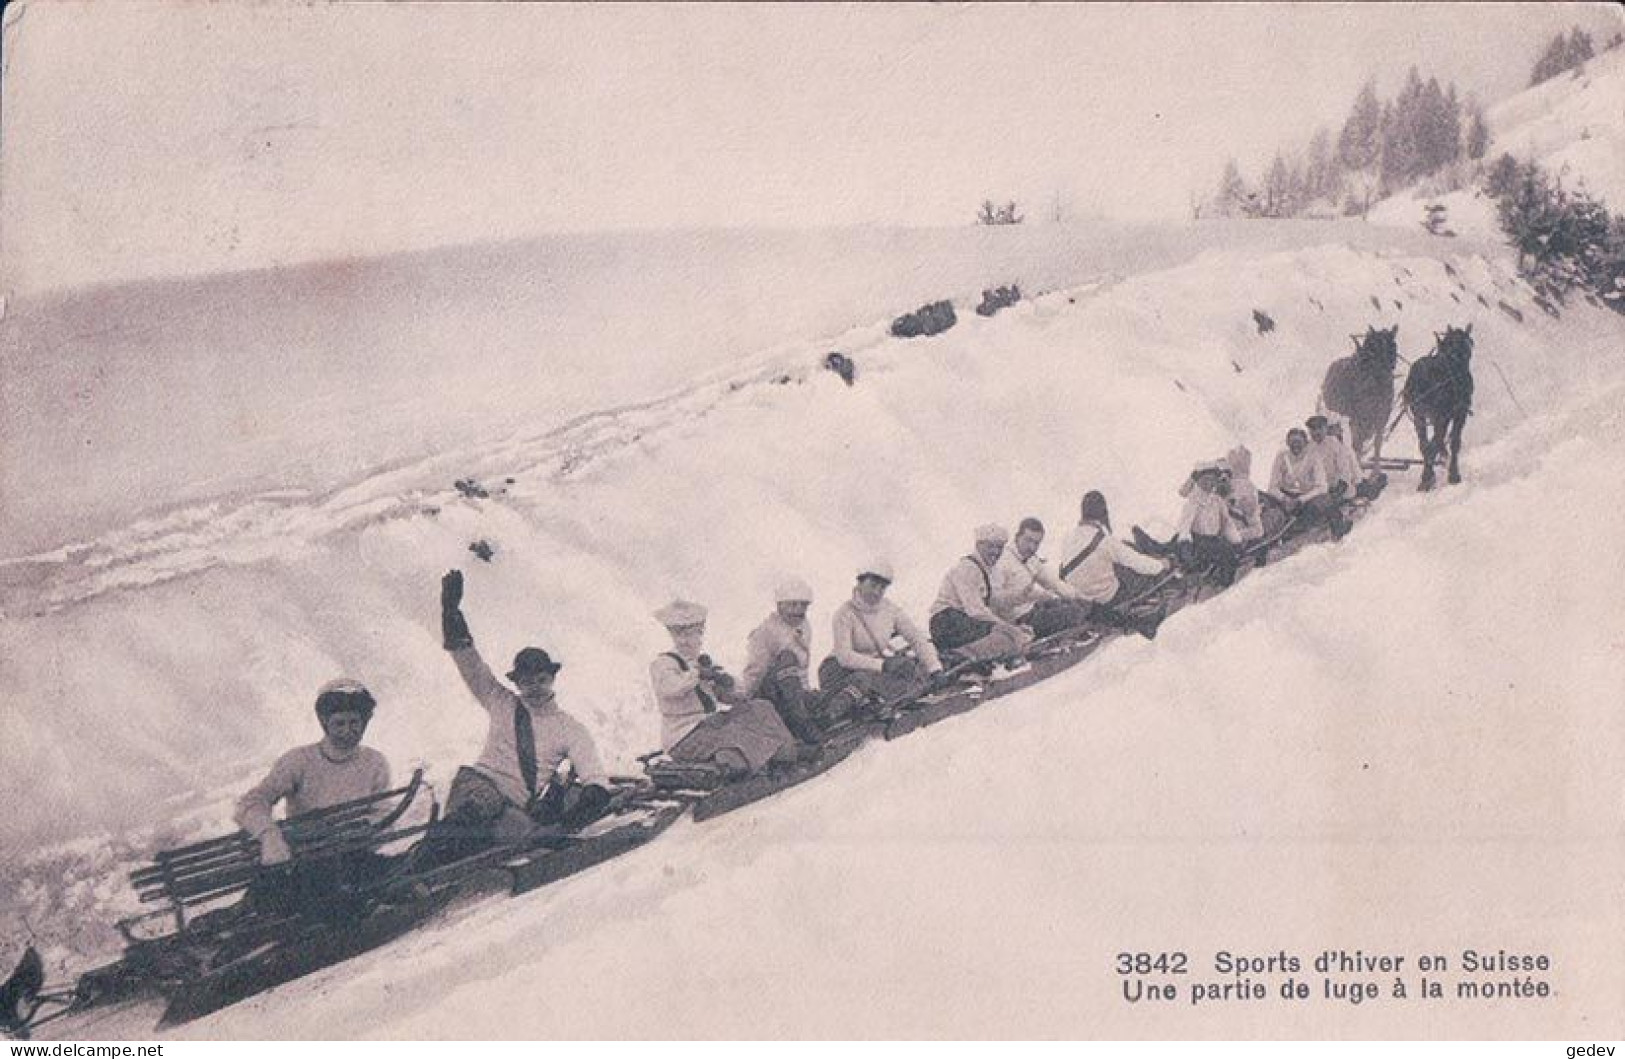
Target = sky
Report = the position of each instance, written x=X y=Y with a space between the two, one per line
x=150 y=139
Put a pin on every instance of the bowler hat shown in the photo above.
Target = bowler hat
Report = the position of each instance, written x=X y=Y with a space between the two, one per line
x=532 y=661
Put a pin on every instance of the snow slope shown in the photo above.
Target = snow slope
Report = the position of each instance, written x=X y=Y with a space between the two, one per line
x=1573 y=125
x=1374 y=720
x=1408 y=743
x=162 y=399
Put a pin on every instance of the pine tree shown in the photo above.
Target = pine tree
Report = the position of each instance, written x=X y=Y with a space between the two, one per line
x=1478 y=131
x=1580 y=49
x=1553 y=61
x=1232 y=196
x=1401 y=134
x=1360 y=141
x=1430 y=122
x=1319 y=177
x=1450 y=127
x=1278 y=189
x=1502 y=177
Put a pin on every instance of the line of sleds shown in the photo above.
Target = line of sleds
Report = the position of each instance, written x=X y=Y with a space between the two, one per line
x=205 y=945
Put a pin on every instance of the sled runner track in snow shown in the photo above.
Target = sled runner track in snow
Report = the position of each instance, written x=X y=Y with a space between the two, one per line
x=215 y=958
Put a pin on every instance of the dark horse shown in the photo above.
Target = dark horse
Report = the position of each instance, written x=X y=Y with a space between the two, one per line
x=1360 y=388
x=1439 y=394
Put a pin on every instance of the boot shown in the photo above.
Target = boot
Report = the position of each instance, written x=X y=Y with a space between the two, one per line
x=791 y=699
x=842 y=704
x=1147 y=625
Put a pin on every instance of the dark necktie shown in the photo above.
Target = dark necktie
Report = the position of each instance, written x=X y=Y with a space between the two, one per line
x=524 y=741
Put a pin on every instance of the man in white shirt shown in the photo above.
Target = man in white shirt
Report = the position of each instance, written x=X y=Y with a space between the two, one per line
x=962 y=620
x=1027 y=591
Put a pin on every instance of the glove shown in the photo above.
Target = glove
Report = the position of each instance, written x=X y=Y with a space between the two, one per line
x=897 y=666
x=273 y=847
x=453 y=626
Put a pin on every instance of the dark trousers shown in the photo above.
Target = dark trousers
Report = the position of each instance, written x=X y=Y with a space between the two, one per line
x=951 y=629
x=332 y=887
x=785 y=686
x=1131 y=585
x=477 y=816
x=1050 y=616
x=1212 y=553
x=848 y=691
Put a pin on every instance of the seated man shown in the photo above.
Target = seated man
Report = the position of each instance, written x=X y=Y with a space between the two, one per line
x=865 y=665
x=1207 y=536
x=778 y=656
x=688 y=686
x=962 y=622
x=336 y=770
x=1027 y=591
x=497 y=800
x=1366 y=486
x=1243 y=494
x=1337 y=461
x=1298 y=485
x=1107 y=572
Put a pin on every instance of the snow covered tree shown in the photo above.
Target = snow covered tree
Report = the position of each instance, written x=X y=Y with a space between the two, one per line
x=1502 y=177
x=1361 y=138
x=1564 y=52
x=1478 y=131
x=1565 y=239
x=1402 y=126
x=1278 y=189
x=1232 y=197
x=1319 y=176
x=1580 y=49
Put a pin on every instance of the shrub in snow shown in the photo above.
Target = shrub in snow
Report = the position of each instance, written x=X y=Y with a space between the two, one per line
x=842 y=365
x=1566 y=240
x=998 y=298
x=930 y=319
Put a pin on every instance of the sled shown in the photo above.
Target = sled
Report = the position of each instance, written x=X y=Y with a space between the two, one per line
x=202 y=875
x=634 y=825
x=836 y=746
x=300 y=945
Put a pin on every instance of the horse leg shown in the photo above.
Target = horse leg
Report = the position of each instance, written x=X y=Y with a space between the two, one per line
x=1457 y=421
x=1426 y=447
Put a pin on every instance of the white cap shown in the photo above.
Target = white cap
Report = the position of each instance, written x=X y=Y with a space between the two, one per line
x=792 y=590
x=877 y=568
x=680 y=613
x=992 y=532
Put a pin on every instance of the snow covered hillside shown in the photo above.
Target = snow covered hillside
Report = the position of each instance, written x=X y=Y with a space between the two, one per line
x=165 y=398
x=1374 y=733
x=1407 y=743
x=1572 y=125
